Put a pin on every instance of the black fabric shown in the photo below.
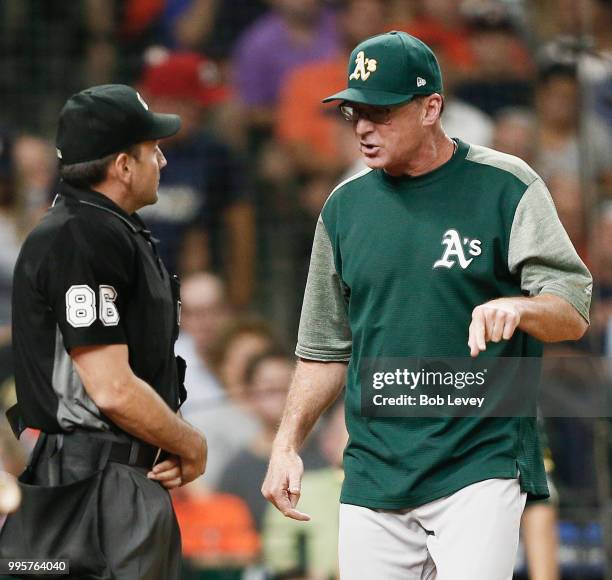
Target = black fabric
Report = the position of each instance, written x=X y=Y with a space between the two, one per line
x=181 y=369
x=108 y=519
x=15 y=420
x=175 y=286
x=85 y=246
x=6 y=362
x=107 y=119
x=82 y=261
x=138 y=456
x=55 y=520
x=88 y=275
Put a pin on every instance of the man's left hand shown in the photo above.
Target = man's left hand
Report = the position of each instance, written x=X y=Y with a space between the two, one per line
x=168 y=472
x=492 y=322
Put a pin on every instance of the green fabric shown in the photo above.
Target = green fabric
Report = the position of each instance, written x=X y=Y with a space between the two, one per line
x=280 y=535
x=411 y=258
x=540 y=249
x=324 y=332
x=389 y=69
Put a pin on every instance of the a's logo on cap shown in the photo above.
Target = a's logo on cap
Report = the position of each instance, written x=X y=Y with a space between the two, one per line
x=142 y=101
x=364 y=67
x=421 y=82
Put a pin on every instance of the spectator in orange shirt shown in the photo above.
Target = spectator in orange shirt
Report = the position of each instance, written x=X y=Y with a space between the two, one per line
x=303 y=126
x=441 y=23
x=217 y=529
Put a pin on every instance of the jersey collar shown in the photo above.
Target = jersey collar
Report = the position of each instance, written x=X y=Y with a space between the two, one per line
x=100 y=201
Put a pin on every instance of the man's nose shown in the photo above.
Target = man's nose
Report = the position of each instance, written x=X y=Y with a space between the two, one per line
x=161 y=159
x=363 y=126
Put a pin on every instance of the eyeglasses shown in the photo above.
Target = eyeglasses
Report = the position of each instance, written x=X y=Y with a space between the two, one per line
x=377 y=115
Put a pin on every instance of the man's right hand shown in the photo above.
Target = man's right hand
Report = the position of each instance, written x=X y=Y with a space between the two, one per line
x=282 y=484
x=194 y=464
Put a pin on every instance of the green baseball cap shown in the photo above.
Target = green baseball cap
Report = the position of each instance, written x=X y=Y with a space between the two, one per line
x=107 y=119
x=390 y=69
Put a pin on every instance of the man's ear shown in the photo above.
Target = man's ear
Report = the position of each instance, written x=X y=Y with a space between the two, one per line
x=121 y=169
x=432 y=109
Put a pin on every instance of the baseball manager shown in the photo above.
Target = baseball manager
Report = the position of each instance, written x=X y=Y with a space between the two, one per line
x=438 y=249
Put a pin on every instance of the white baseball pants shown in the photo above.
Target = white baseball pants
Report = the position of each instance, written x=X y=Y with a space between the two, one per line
x=470 y=535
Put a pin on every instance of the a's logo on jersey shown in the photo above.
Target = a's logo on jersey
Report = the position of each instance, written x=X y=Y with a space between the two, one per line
x=455 y=250
x=142 y=101
x=364 y=67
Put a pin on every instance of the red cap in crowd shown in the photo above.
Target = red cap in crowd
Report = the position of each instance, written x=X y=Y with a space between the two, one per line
x=184 y=75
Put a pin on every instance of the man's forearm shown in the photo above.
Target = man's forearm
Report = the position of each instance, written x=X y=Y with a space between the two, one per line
x=550 y=318
x=545 y=317
x=130 y=402
x=315 y=386
x=145 y=415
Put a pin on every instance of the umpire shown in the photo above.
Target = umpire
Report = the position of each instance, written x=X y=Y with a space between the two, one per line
x=95 y=317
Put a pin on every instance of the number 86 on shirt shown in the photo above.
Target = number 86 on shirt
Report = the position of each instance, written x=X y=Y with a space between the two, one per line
x=81 y=306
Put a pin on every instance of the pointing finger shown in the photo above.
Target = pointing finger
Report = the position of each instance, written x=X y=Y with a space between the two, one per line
x=477 y=340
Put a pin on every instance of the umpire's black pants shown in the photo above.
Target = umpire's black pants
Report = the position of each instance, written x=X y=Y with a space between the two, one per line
x=138 y=534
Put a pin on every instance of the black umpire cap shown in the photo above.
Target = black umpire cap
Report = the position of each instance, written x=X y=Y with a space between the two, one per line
x=107 y=119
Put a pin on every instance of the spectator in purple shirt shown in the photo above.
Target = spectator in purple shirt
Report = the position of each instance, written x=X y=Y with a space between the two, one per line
x=294 y=32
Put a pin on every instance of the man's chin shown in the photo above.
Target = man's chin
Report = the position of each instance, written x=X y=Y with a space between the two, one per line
x=373 y=162
x=151 y=200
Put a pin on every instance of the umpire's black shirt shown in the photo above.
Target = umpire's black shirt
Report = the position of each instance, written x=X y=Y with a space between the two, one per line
x=88 y=274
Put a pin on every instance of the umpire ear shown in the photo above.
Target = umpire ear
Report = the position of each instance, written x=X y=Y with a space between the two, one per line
x=121 y=168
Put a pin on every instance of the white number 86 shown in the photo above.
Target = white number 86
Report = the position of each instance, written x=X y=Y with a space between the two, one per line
x=81 y=306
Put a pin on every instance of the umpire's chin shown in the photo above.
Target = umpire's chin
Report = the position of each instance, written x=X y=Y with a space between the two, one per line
x=146 y=171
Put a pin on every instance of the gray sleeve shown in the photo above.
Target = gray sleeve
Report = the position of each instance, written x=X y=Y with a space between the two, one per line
x=542 y=252
x=324 y=332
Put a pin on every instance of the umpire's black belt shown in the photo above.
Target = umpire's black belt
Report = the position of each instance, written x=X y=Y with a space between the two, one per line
x=134 y=452
x=137 y=454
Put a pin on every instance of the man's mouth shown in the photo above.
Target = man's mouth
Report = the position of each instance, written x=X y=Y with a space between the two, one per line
x=369 y=149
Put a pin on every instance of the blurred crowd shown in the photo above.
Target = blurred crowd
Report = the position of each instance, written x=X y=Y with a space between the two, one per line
x=247 y=176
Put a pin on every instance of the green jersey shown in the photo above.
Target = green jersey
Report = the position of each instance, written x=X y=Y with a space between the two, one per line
x=398 y=264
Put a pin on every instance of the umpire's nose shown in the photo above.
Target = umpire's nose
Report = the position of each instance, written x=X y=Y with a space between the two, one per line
x=161 y=159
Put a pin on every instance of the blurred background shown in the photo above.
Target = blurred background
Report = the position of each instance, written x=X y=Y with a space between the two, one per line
x=246 y=179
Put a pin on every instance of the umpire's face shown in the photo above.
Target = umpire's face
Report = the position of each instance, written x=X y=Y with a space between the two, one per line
x=145 y=168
